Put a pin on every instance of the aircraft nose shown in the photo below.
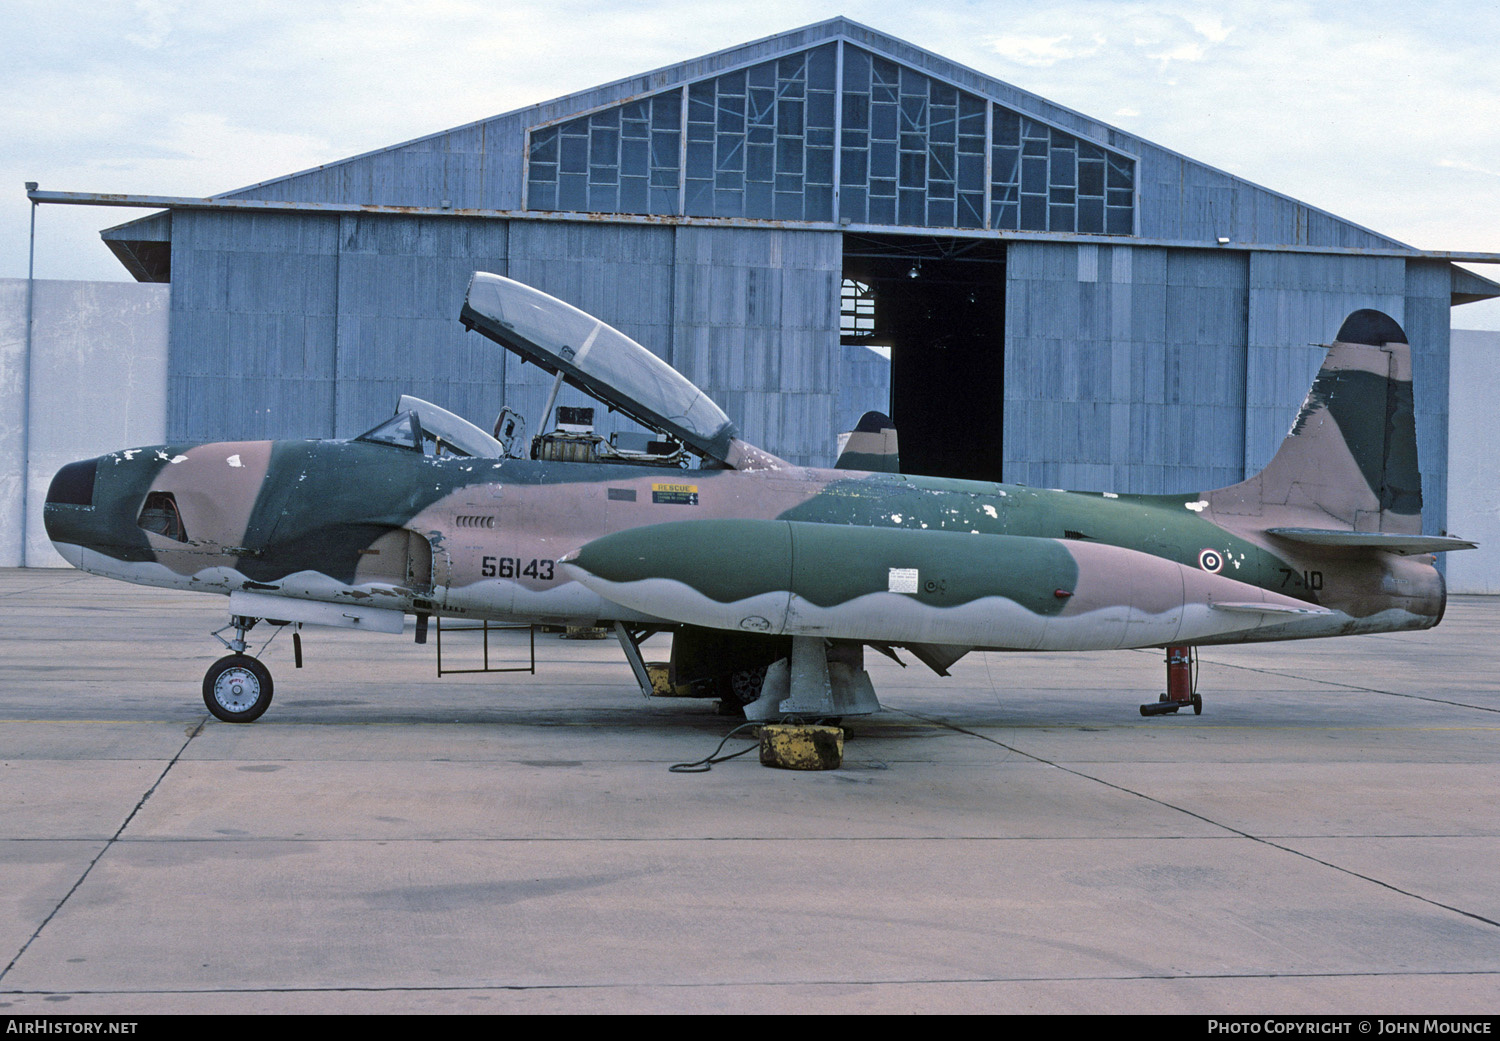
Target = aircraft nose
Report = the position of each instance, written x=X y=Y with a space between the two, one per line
x=91 y=504
x=69 y=510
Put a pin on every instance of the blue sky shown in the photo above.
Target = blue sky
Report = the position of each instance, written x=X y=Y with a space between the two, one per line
x=1385 y=113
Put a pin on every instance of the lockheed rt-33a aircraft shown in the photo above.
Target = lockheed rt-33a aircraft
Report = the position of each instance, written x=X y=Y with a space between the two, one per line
x=772 y=578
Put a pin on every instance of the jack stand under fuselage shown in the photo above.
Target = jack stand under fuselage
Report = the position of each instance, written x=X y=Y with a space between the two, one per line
x=1182 y=685
x=816 y=682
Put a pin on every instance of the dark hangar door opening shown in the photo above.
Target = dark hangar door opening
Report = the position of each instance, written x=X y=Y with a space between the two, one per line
x=938 y=305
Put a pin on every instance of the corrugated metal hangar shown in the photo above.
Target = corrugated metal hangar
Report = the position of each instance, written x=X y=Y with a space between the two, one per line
x=808 y=226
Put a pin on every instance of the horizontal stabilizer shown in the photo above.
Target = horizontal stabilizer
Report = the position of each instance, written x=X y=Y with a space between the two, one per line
x=1389 y=542
x=1260 y=608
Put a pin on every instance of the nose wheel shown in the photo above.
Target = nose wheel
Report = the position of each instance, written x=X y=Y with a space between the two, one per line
x=237 y=688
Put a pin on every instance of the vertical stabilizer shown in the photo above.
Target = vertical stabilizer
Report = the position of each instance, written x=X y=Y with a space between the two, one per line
x=1350 y=459
x=871 y=445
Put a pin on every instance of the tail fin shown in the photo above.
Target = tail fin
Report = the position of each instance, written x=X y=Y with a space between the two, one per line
x=871 y=445
x=1349 y=463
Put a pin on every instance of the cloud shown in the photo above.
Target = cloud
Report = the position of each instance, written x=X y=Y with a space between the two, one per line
x=1042 y=51
x=1209 y=26
x=1467 y=167
x=154 y=23
x=1184 y=51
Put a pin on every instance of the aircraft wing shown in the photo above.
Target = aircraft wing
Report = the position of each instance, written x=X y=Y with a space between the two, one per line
x=599 y=360
x=1386 y=541
x=1257 y=607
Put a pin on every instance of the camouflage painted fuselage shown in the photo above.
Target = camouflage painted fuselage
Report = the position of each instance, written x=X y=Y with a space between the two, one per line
x=864 y=556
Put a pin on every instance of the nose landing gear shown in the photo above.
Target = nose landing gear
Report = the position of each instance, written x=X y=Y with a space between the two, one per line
x=237 y=688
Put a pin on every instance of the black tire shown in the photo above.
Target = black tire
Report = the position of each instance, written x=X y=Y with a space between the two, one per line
x=744 y=685
x=237 y=688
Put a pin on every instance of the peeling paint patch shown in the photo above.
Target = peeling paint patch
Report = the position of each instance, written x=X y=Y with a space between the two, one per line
x=234 y=461
x=991 y=511
x=1111 y=495
x=1197 y=507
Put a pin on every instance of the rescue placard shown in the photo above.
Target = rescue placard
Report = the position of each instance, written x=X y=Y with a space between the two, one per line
x=675 y=494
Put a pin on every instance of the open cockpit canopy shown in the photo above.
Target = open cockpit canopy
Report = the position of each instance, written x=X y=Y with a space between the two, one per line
x=599 y=360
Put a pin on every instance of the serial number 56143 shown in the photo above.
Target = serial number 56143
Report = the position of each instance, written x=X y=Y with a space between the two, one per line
x=515 y=567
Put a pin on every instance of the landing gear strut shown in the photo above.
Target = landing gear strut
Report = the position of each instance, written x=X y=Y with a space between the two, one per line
x=1182 y=685
x=237 y=688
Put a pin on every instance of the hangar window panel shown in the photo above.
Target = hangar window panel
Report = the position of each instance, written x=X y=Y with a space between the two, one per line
x=1091 y=178
x=1091 y=215
x=911 y=210
x=971 y=210
x=572 y=192
x=633 y=195
x=544 y=194
x=764 y=142
x=818 y=203
x=942 y=123
x=942 y=163
x=618 y=160
x=1044 y=179
x=912 y=146
x=971 y=172
x=1034 y=175
x=1064 y=164
x=773 y=125
x=1034 y=212
x=544 y=149
x=663 y=200
x=574 y=150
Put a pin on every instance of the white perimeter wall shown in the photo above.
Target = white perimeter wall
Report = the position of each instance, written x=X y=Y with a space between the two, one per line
x=1473 y=448
x=98 y=383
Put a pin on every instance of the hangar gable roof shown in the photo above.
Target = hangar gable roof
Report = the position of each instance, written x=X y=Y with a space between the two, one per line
x=832 y=123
